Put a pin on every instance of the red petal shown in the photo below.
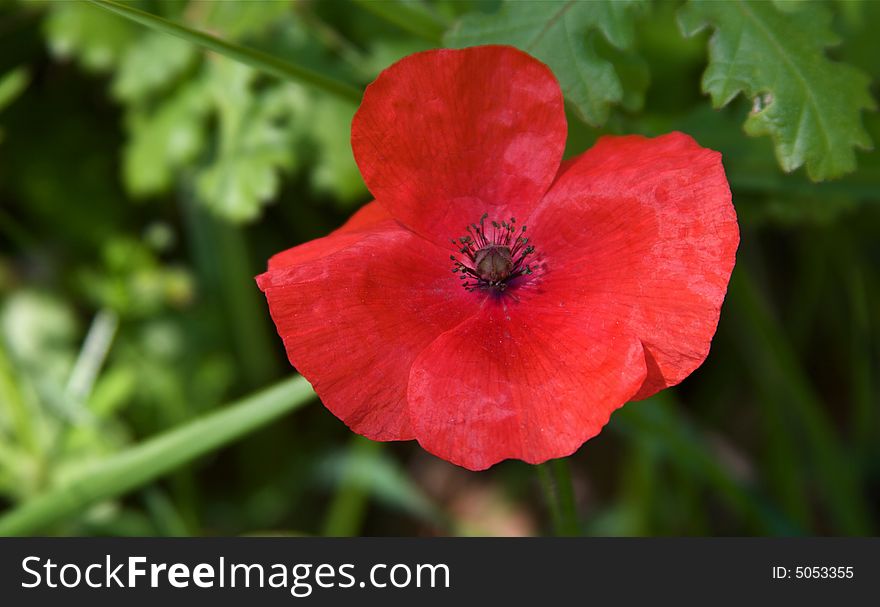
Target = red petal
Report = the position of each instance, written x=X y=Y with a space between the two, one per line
x=445 y=135
x=643 y=232
x=354 y=310
x=366 y=218
x=520 y=379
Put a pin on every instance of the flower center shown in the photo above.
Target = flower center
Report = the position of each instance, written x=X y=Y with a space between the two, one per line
x=492 y=257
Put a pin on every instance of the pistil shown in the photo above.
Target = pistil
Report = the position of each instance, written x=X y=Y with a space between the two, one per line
x=492 y=258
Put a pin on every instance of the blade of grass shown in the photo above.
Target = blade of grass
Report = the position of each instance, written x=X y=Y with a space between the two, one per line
x=773 y=362
x=166 y=518
x=365 y=472
x=657 y=420
x=91 y=358
x=259 y=60
x=19 y=408
x=349 y=505
x=408 y=16
x=222 y=258
x=810 y=281
x=787 y=479
x=863 y=424
x=151 y=459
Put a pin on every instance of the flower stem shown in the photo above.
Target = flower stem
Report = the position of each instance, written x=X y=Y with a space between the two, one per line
x=555 y=479
x=147 y=461
x=257 y=59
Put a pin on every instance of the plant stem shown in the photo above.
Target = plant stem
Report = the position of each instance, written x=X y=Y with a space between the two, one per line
x=549 y=488
x=222 y=260
x=149 y=460
x=555 y=479
x=264 y=62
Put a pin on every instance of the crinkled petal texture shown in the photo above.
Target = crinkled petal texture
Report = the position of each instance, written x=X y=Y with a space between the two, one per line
x=443 y=136
x=635 y=242
x=523 y=378
x=643 y=234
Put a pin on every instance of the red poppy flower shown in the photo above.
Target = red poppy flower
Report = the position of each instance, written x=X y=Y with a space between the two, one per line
x=491 y=303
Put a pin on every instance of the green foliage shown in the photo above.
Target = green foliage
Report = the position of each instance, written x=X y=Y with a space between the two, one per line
x=173 y=94
x=408 y=15
x=253 y=141
x=151 y=458
x=238 y=19
x=133 y=283
x=92 y=36
x=121 y=322
x=335 y=172
x=561 y=34
x=45 y=433
x=151 y=63
x=165 y=138
x=810 y=105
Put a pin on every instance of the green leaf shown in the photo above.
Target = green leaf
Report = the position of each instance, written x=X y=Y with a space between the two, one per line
x=240 y=19
x=809 y=105
x=335 y=171
x=255 y=142
x=150 y=64
x=560 y=33
x=94 y=37
x=164 y=139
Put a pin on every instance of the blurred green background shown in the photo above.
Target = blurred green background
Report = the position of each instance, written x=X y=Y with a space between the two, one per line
x=144 y=182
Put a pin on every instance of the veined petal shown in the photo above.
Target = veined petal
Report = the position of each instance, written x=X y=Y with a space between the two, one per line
x=355 y=309
x=520 y=379
x=445 y=135
x=642 y=232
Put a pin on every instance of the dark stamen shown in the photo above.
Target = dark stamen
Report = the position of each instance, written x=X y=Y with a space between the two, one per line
x=492 y=260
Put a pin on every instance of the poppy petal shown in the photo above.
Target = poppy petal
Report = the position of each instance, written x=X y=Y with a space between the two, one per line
x=643 y=231
x=443 y=136
x=355 y=309
x=366 y=218
x=520 y=380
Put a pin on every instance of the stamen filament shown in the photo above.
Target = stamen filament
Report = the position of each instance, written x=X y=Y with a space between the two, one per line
x=492 y=258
